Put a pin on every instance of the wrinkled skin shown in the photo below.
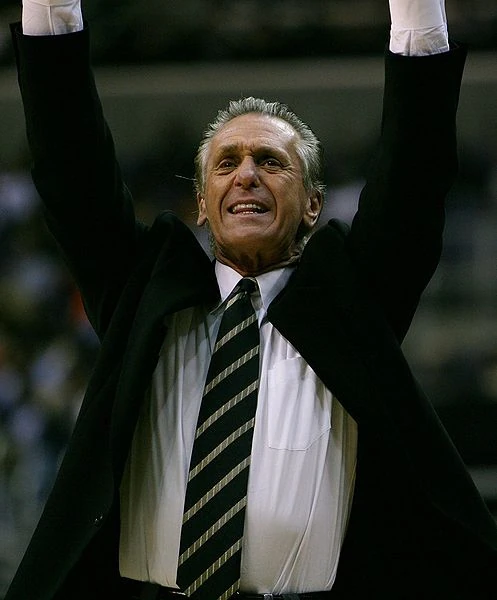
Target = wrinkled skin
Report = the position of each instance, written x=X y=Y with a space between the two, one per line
x=254 y=198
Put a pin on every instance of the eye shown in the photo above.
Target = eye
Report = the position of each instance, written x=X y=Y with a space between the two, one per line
x=226 y=163
x=270 y=162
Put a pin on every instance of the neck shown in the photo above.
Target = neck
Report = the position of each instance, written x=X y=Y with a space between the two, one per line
x=246 y=269
x=251 y=263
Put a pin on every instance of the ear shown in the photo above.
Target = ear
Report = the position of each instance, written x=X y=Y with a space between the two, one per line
x=202 y=214
x=313 y=209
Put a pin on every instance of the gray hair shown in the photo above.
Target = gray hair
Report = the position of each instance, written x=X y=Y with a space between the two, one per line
x=308 y=147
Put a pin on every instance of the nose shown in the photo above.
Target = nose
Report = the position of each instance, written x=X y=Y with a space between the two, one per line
x=247 y=174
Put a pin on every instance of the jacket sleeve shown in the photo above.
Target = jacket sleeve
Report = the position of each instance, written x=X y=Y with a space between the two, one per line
x=88 y=208
x=396 y=235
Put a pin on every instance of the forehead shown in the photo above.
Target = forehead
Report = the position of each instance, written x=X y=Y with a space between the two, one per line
x=252 y=130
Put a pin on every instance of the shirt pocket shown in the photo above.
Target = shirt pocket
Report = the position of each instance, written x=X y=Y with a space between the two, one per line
x=298 y=405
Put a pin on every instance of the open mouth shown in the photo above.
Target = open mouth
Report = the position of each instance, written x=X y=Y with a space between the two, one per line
x=247 y=208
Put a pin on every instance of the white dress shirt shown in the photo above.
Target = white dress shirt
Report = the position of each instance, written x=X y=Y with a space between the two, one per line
x=302 y=466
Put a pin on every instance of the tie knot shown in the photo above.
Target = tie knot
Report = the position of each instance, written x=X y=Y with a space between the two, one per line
x=247 y=285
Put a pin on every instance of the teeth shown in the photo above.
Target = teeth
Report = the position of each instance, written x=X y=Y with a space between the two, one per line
x=248 y=207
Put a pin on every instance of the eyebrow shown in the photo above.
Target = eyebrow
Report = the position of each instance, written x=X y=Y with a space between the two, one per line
x=264 y=149
x=227 y=149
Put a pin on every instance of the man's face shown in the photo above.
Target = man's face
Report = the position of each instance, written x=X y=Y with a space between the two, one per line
x=254 y=197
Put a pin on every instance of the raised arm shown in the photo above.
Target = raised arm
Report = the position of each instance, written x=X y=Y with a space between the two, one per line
x=396 y=235
x=88 y=208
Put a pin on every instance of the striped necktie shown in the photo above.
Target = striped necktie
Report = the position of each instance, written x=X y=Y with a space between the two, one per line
x=216 y=495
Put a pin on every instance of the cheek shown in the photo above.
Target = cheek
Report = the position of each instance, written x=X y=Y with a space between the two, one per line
x=293 y=213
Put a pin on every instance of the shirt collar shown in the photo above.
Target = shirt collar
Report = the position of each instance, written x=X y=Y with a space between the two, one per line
x=270 y=283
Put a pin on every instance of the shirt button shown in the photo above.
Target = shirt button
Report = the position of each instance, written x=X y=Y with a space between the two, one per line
x=98 y=520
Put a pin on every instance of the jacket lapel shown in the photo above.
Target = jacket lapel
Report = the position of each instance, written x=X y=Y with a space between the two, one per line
x=182 y=276
x=336 y=324
x=325 y=312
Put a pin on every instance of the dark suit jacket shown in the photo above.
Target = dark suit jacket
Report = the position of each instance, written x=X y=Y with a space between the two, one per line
x=418 y=528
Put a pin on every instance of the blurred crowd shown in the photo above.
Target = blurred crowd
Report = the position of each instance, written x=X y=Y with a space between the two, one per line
x=46 y=350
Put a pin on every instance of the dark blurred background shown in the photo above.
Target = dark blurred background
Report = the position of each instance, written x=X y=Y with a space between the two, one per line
x=164 y=68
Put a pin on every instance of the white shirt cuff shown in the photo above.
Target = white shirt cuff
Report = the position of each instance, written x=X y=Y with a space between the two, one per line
x=419 y=27
x=419 y=42
x=51 y=17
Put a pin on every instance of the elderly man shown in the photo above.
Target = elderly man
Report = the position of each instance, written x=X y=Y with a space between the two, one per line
x=251 y=429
